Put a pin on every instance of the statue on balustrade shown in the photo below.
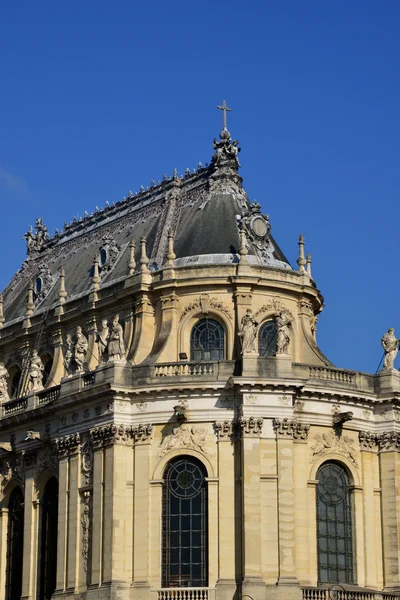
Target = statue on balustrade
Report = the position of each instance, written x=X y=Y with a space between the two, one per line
x=36 y=369
x=80 y=349
x=116 y=346
x=248 y=333
x=283 y=339
x=390 y=345
x=3 y=383
x=102 y=339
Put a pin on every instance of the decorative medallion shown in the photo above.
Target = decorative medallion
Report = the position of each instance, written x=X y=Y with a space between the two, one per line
x=256 y=227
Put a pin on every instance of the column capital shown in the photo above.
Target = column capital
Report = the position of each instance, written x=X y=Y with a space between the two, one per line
x=68 y=445
x=389 y=440
x=250 y=427
x=104 y=436
x=368 y=441
x=224 y=430
x=141 y=433
x=291 y=429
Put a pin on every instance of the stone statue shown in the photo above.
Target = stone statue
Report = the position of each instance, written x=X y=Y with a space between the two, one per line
x=36 y=369
x=116 y=346
x=35 y=242
x=80 y=349
x=4 y=396
x=102 y=340
x=248 y=333
x=30 y=240
x=69 y=344
x=390 y=345
x=283 y=339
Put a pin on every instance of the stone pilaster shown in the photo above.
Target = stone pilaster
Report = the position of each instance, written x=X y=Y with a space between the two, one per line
x=29 y=571
x=253 y=584
x=143 y=337
x=110 y=565
x=226 y=584
x=141 y=519
x=286 y=431
x=372 y=533
x=389 y=459
x=3 y=546
x=67 y=450
x=167 y=338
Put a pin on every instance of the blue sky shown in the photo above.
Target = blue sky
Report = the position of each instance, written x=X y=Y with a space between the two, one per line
x=98 y=98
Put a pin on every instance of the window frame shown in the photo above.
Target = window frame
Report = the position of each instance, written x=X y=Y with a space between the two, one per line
x=215 y=326
x=177 y=527
x=332 y=531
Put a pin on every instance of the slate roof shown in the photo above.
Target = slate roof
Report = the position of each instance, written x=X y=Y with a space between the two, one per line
x=201 y=208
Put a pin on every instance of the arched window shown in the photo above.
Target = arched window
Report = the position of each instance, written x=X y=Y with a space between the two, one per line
x=334 y=531
x=47 y=361
x=48 y=541
x=14 y=379
x=15 y=544
x=207 y=341
x=184 y=524
x=267 y=336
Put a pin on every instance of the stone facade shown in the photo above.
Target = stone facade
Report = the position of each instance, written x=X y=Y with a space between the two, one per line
x=260 y=426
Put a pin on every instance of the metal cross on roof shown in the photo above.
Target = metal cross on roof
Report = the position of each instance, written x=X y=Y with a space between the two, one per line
x=224 y=109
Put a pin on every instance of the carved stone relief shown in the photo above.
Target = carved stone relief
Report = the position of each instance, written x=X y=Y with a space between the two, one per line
x=85 y=524
x=185 y=436
x=329 y=442
x=257 y=228
x=205 y=302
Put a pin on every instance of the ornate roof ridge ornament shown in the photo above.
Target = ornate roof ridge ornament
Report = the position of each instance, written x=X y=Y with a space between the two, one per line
x=35 y=242
x=226 y=150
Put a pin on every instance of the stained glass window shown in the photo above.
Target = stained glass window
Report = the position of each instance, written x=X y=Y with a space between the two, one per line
x=334 y=530
x=267 y=336
x=207 y=341
x=184 y=524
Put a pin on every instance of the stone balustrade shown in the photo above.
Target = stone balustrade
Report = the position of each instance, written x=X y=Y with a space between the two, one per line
x=185 y=593
x=185 y=368
x=338 y=593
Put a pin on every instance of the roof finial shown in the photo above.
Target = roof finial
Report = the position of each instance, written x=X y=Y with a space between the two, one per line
x=224 y=109
x=308 y=260
x=96 y=276
x=2 y=319
x=242 y=249
x=29 y=306
x=132 y=262
x=171 y=254
x=144 y=261
x=62 y=293
x=301 y=261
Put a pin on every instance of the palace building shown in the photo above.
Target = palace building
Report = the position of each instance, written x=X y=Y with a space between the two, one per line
x=169 y=427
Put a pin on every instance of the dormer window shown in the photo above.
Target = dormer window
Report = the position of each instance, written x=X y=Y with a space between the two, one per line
x=38 y=285
x=103 y=257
